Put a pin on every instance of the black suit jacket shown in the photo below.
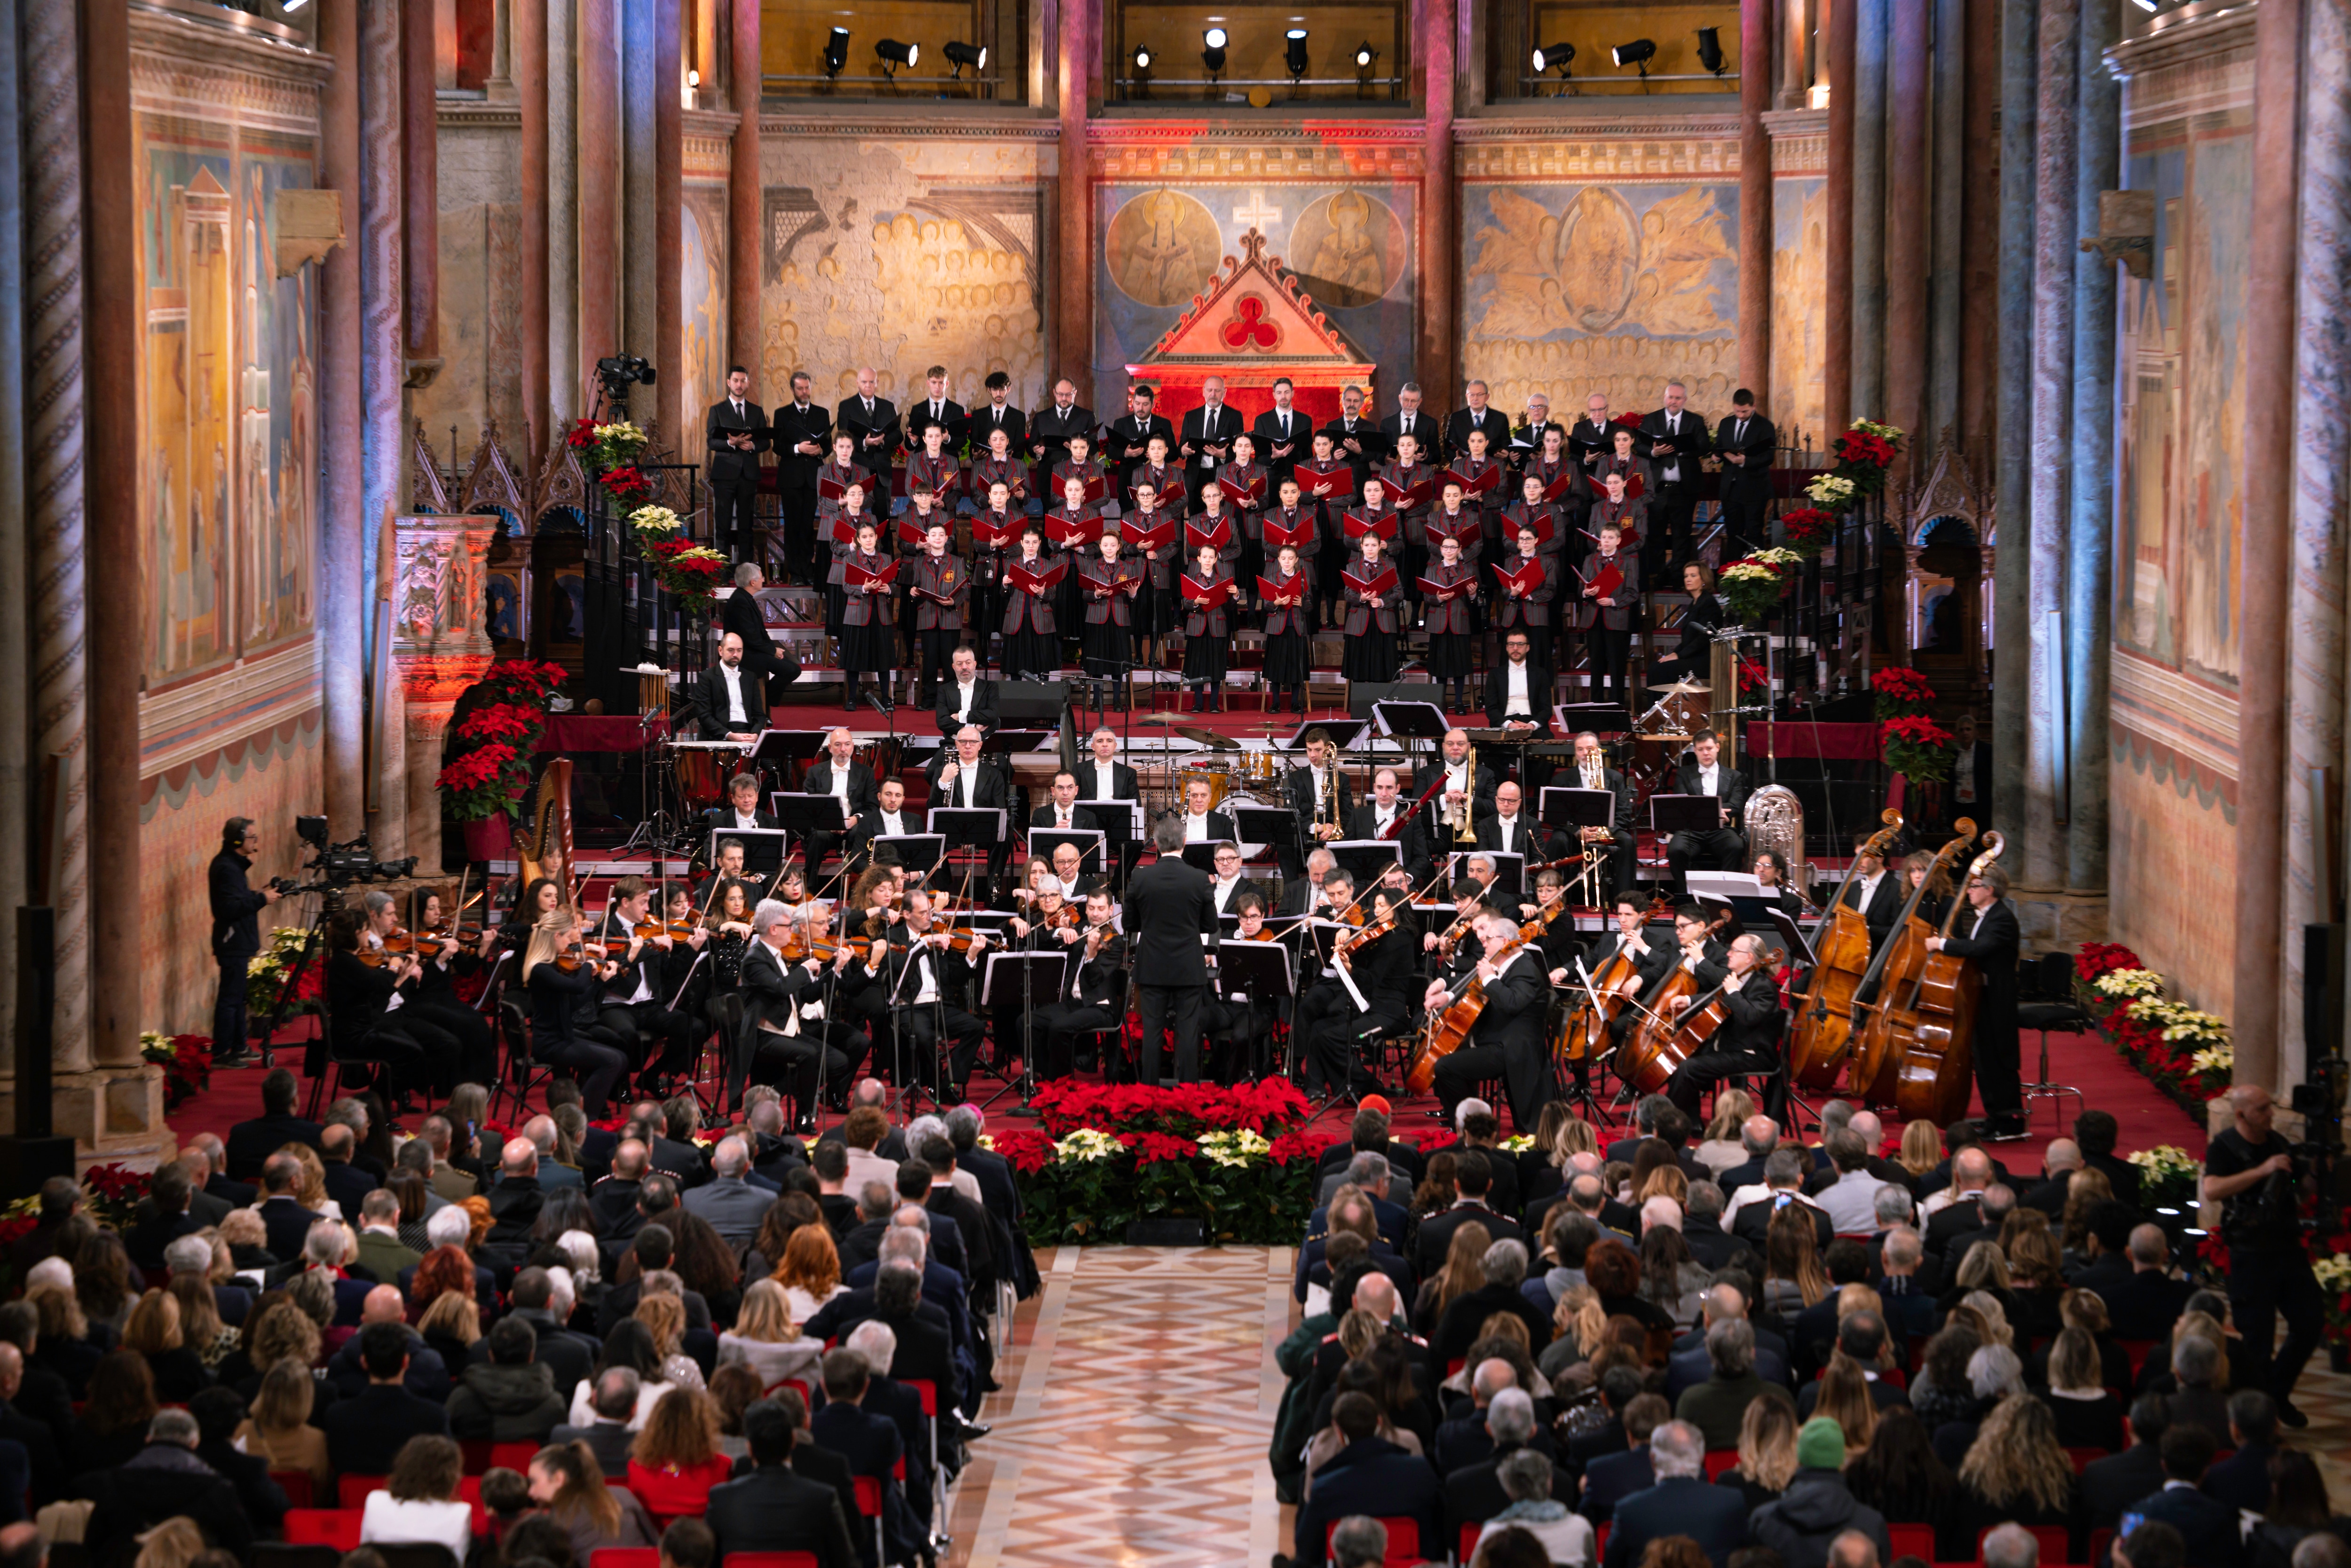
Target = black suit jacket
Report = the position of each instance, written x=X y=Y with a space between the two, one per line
x=1751 y=478
x=1198 y=431
x=250 y=1143
x=1436 y=1234
x=1730 y=787
x=851 y=415
x=2110 y=1485
x=1300 y=788
x=1538 y=692
x=1050 y=430
x=287 y=1224
x=726 y=464
x=774 y=1510
x=2209 y=1525
x=710 y=703
x=983 y=706
x=1265 y=429
x=1496 y=425
x=721 y=820
x=951 y=416
x=1426 y=429
x=739 y=613
x=984 y=421
x=987 y=784
x=1169 y=908
x=791 y=426
x=1081 y=819
x=364 y=1432
x=1884 y=906
x=1366 y=436
x=1363 y=822
x=1713 y=1516
x=1691 y=445
x=863 y=796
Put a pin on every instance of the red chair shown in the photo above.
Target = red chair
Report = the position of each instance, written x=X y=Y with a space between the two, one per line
x=1600 y=1543
x=478 y=1454
x=335 y=1527
x=625 y=1557
x=1469 y=1534
x=469 y=1490
x=2082 y=1458
x=929 y=1393
x=1454 y=1364
x=2056 y=1542
x=351 y=1490
x=1908 y=1540
x=2100 y=1540
x=296 y=1485
x=1404 y=1542
x=512 y=1456
x=1719 y=1461
x=760 y=1560
x=869 y=1506
x=2136 y=1350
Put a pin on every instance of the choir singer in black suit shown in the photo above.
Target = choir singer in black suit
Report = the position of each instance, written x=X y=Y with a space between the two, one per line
x=775 y=668
x=1049 y=431
x=800 y=434
x=1208 y=434
x=839 y=773
x=1129 y=435
x=1745 y=443
x=1724 y=846
x=1676 y=443
x=1409 y=420
x=998 y=414
x=871 y=420
x=1169 y=908
x=1987 y=932
x=730 y=702
x=938 y=409
x=734 y=431
x=1478 y=415
x=1284 y=435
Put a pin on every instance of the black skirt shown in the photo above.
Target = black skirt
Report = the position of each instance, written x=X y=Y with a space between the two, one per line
x=1031 y=652
x=1206 y=658
x=1109 y=651
x=1449 y=656
x=870 y=649
x=1370 y=657
x=1288 y=659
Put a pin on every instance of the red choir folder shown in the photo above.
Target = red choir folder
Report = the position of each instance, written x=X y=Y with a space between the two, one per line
x=1247 y=496
x=1023 y=579
x=1558 y=489
x=1339 y=482
x=1471 y=489
x=1440 y=527
x=1522 y=583
x=1383 y=586
x=856 y=577
x=1299 y=536
x=952 y=579
x=1607 y=579
x=831 y=489
x=1438 y=592
x=1540 y=521
x=1167 y=486
x=1215 y=592
x=1273 y=593
x=989 y=531
x=1357 y=525
x=913 y=527
x=844 y=527
x=1218 y=537
x=1147 y=539
x=1408 y=497
x=1097 y=487
x=1068 y=535
x=1128 y=580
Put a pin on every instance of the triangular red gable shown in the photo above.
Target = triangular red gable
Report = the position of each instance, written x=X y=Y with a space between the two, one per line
x=1253 y=308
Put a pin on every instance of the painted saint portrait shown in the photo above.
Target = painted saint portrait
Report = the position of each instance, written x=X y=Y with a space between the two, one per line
x=1163 y=247
x=1347 y=249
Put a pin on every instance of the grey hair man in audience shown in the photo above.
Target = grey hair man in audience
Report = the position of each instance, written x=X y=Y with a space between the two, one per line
x=610 y=1435
x=731 y=1202
x=1359 y=1541
x=2009 y=1546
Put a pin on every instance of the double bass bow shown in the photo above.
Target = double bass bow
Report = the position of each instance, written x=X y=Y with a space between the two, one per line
x=1824 y=1023
x=1896 y=966
x=1929 y=1028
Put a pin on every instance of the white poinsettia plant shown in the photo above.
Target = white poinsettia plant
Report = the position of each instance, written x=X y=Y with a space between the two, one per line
x=653 y=521
x=2122 y=983
x=1086 y=1143
x=2334 y=1271
x=1234 y=1149
x=621 y=438
x=2166 y=1160
x=1830 y=490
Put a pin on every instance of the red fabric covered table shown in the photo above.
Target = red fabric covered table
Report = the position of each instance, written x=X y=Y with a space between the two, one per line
x=600 y=732
x=1835 y=742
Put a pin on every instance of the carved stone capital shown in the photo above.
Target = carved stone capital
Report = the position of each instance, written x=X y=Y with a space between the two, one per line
x=440 y=641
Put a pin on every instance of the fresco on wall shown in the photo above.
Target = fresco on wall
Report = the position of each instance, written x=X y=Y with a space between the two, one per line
x=227 y=473
x=1799 y=304
x=1616 y=287
x=1350 y=247
x=480 y=377
x=901 y=254
x=702 y=351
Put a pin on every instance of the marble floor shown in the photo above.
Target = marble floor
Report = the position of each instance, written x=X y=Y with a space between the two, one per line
x=1138 y=1397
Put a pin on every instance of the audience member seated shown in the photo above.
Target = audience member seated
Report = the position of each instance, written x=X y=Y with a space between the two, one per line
x=1767 y=1451
x=160 y=1479
x=1367 y=1476
x=2208 y=1526
x=277 y=1430
x=418 y=1501
x=613 y=1399
x=566 y=1481
x=218 y=1413
x=870 y=1442
x=676 y=1460
x=511 y=1397
x=1608 y=1481
x=1566 y=1536
x=773 y=1507
x=1681 y=1502
x=364 y=1432
x=1717 y=1406
x=2016 y=1471
x=1817 y=1508
x=1899 y=1476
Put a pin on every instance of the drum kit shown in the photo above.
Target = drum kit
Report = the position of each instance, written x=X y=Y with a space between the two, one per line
x=1662 y=734
x=1236 y=774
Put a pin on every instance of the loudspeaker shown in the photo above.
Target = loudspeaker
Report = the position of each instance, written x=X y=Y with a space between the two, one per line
x=1026 y=702
x=1363 y=693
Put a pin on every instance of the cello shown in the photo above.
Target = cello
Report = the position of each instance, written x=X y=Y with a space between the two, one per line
x=1447 y=1031
x=1896 y=967
x=1931 y=1031
x=1824 y=1025
x=1694 y=1029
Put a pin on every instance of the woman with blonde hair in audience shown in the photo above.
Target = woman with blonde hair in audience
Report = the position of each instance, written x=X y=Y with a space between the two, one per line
x=1578 y=1329
x=1793 y=1277
x=418 y=1504
x=1464 y=1271
x=1983 y=1270
x=1722 y=1149
x=277 y=1429
x=2084 y=1190
x=567 y=1482
x=676 y=1460
x=2036 y=1279
x=1766 y=1448
x=2088 y=1416
x=766 y=1339
x=663 y=1312
x=811 y=1272
x=451 y=1326
x=2016 y=1471
x=1922 y=1148
x=1845 y=1399
x=247 y=1239
x=177 y=1542
x=2086 y=1311
x=154 y=1330
x=1991 y=1317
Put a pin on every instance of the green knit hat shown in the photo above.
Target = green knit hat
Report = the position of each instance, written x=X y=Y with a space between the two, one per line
x=1820 y=1445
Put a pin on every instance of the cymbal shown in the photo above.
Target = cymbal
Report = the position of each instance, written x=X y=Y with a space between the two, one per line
x=1168 y=718
x=1690 y=688
x=1208 y=737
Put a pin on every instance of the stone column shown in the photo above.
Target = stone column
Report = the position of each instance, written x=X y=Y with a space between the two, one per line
x=1836 y=340
x=1755 y=198
x=418 y=119
x=2012 y=646
x=743 y=202
x=669 y=221
x=382 y=367
x=2043 y=862
x=1072 y=273
x=55 y=471
x=1944 y=244
x=1795 y=43
x=562 y=75
x=342 y=532
x=1909 y=191
x=596 y=100
x=531 y=88
x=1871 y=36
x=15 y=815
x=439 y=643
x=1979 y=231
x=2267 y=336
x=639 y=232
x=115 y=317
x=1437 y=358
x=2089 y=585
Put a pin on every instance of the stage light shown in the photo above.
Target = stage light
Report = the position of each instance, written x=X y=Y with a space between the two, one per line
x=692 y=77
x=1554 y=54
x=293 y=6
x=1294 y=54
x=893 y=54
x=960 y=55
x=1636 y=52
x=1213 y=54
x=1710 y=49
x=1143 y=57
x=1364 y=55
x=2149 y=6
x=836 y=51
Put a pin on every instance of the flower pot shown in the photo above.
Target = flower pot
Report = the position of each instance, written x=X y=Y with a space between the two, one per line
x=489 y=838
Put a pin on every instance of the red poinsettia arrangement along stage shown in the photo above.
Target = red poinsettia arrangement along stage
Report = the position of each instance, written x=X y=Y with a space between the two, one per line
x=1066 y=1104
x=499 y=723
x=1807 y=530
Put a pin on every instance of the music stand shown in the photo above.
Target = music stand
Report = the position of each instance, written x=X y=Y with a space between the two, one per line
x=1201 y=854
x=1040 y=974
x=902 y=992
x=918 y=853
x=1255 y=972
x=1400 y=720
x=764 y=849
x=1799 y=952
x=1671 y=814
x=970 y=827
x=1276 y=827
x=786 y=749
x=1600 y=718
x=1090 y=842
x=805 y=816
x=1572 y=809
x=1343 y=733
x=1367 y=860
x=1510 y=870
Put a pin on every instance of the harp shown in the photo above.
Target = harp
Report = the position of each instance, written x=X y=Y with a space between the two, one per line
x=544 y=846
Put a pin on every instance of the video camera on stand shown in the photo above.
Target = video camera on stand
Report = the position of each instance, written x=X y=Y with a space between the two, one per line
x=339 y=866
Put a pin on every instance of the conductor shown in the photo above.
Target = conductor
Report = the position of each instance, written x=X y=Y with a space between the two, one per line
x=1169 y=910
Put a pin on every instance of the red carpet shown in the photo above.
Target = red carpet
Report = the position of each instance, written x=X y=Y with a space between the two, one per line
x=2107 y=1080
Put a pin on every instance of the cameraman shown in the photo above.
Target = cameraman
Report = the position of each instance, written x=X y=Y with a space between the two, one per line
x=2250 y=1169
x=237 y=936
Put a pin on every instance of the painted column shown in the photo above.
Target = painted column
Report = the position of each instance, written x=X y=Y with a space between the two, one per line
x=420 y=152
x=56 y=466
x=1755 y=198
x=383 y=372
x=596 y=99
x=1909 y=194
x=1871 y=35
x=2267 y=338
x=531 y=88
x=2011 y=647
x=438 y=643
x=2043 y=862
x=16 y=816
x=1944 y=245
x=562 y=48
x=1836 y=345
x=1072 y=273
x=110 y=494
x=2089 y=584
x=639 y=236
x=1436 y=361
x=1795 y=39
x=342 y=533
x=1980 y=234
x=2322 y=401
x=669 y=220
x=744 y=330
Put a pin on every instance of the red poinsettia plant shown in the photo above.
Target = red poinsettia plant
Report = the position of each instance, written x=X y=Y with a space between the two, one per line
x=690 y=572
x=186 y=1060
x=1066 y=1104
x=1859 y=446
x=486 y=767
x=1917 y=748
x=626 y=482
x=1807 y=530
x=1901 y=692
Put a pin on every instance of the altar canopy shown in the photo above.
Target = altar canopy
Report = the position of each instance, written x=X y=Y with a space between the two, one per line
x=1251 y=327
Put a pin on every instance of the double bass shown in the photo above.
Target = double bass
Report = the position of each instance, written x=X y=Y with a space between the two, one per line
x=1824 y=1023
x=1930 y=1027
x=1896 y=967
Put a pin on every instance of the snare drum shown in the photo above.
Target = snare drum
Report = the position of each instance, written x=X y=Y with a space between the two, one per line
x=703 y=770
x=1678 y=713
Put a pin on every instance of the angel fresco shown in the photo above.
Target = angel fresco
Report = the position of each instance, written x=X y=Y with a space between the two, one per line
x=1596 y=268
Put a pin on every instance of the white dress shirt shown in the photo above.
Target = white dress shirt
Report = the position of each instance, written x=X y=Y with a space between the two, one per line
x=1223 y=892
x=962 y=700
x=893 y=823
x=1508 y=828
x=733 y=675
x=1672 y=472
x=1105 y=781
x=1195 y=828
x=1516 y=699
x=1708 y=778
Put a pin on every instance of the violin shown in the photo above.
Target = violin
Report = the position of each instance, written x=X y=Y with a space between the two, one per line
x=650 y=930
x=570 y=959
x=1371 y=931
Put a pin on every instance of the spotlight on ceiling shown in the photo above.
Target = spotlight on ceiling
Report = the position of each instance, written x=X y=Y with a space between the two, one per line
x=1213 y=54
x=960 y=55
x=1293 y=53
x=1710 y=49
x=1636 y=52
x=836 y=51
x=1560 y=57
x=893 y=54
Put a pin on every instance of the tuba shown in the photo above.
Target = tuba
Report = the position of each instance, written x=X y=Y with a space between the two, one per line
x=1775 y=822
